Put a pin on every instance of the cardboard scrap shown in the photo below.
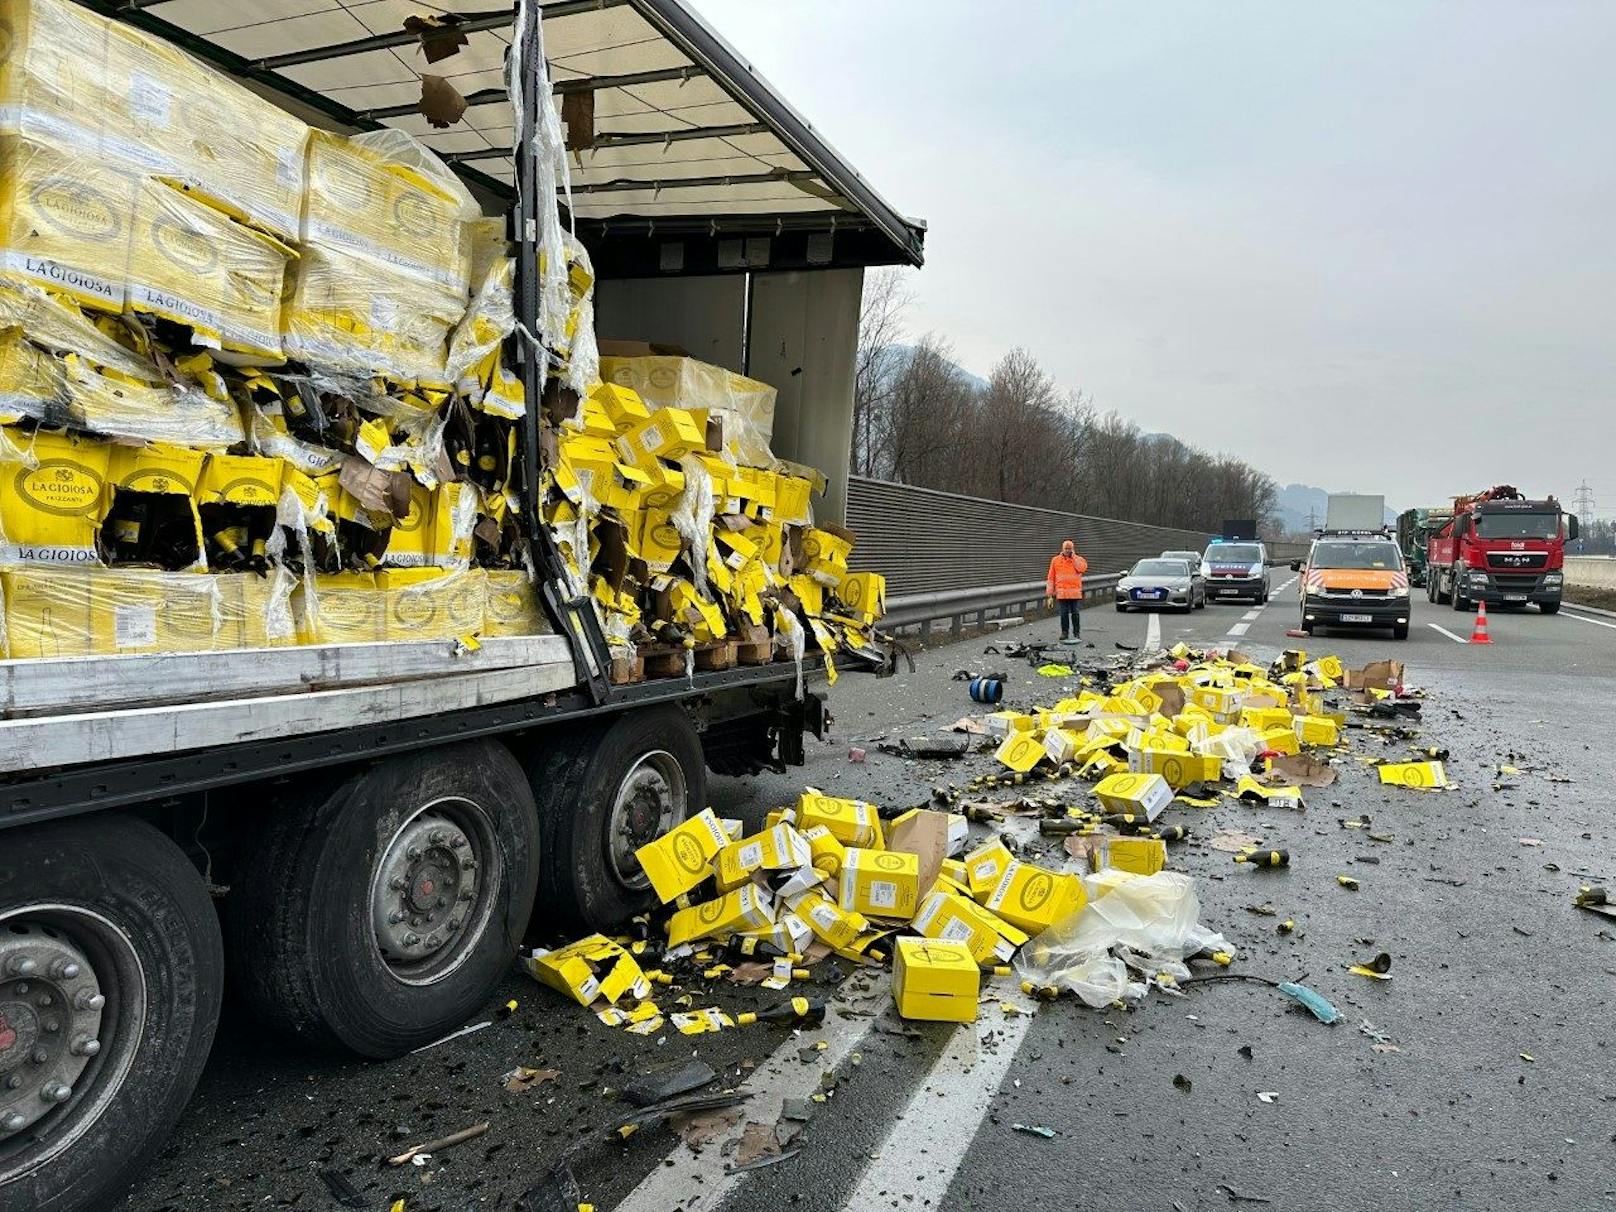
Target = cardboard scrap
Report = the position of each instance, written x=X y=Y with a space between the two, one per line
x=1301 y=770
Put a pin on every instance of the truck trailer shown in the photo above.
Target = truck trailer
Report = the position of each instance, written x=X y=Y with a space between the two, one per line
x=356 y=831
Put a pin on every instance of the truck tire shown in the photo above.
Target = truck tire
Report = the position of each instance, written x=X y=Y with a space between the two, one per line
x=379 y=910
x=1456 y=596
x=603 y=791
x=1549 y=607
x=107 y=917
x=1400 y=631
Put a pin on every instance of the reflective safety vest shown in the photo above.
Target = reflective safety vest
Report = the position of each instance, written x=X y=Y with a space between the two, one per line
x=1066 y=576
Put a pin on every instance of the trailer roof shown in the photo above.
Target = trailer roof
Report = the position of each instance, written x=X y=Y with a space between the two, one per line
x=690 y=141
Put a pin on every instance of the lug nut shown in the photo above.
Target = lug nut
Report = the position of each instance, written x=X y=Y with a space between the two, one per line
x=413 y=853
x=84 y=1045
x=441 y=902
x=411 y=940
x=14 y=1082
x=468 y=863
x=395 y=917
x=39 y=1056
x=14 y=1122
x=21 y=965
x=458 y=843
x=432 y=940
x=88 y=999
x=22 y=988
x=56 y=1092
x=65 y=970
x=466 y=895
x=51 y=1026
x=437 y=837
x=44 y=999
x=396 y=883
x=417 y=922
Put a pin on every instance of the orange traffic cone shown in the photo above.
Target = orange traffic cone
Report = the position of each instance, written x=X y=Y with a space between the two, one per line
x=1479 y=635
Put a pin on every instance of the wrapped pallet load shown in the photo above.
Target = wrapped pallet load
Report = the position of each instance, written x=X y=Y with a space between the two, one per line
x=260 y=385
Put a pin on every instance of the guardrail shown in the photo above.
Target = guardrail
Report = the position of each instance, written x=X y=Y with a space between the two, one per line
x=955 y=606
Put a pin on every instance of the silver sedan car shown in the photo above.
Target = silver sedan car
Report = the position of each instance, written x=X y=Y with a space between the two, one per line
x=1162 y=582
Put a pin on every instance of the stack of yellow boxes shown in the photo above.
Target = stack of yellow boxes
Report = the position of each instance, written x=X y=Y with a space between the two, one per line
x=829 y=870
x=174 y=437
x=688 y=531
x=304 y=334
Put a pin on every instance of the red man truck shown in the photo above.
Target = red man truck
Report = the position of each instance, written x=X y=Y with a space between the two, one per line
x=1501 y=548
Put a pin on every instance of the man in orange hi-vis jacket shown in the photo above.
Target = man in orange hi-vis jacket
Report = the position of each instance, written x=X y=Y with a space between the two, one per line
x=1065 y=585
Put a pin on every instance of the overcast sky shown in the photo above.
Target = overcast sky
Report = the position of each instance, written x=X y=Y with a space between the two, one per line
x=1367 y=245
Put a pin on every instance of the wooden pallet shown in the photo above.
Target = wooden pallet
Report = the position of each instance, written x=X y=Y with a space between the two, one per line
x=760 y=652
x=717 y=655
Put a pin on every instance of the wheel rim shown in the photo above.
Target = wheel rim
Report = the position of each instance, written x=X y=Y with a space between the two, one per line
x=72 y=1015
x=651 y=799
x=432 y=893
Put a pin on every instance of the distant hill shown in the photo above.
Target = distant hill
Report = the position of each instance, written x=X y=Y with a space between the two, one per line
x=900 y=355
x=1295 y=501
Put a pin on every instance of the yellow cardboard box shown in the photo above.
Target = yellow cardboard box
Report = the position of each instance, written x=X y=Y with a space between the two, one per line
x=1178 y=768
x=681 y=858
x=825 y=551
x=345 y=608
x=431 y=603
x=865 y=595
x=781 y=848
x=511 y=605
x=1021 y=751
x=1140 y=855
x=837 y=927
x=1141 y=794
x=1003 y=723
x=1281 y=739
x=65 y=221
x=950 y=917
x=240 y=480
x=657 y=539
x=590 y=969
x=1062 y=744
x=746 y=908
x=52 y=506
x=879 y=883
x=668 y=433
x=935 y=981
x=826 y=850
x=622 y=404
x=984 y=866
x=1031 y=898
x=853 y=822
x=196 y=266
x=1316 y=730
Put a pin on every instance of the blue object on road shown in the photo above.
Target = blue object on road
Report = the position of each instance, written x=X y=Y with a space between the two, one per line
x=986 y=690
x=1320 y=1005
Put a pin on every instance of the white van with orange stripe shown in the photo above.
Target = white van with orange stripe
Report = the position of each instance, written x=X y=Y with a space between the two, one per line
x=1354 y=580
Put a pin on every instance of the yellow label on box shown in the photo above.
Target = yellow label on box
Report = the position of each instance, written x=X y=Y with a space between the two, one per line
x=825 y=556
x=511 y=605
x=431 y=603
x=1003 y=723
x=667 y=433
x=681 y=858
x=835 y=926
x=984 y=866
x=240 y=480
x=1062 y=744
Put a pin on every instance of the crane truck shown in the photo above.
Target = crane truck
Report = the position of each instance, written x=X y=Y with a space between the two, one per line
x=1500 y=547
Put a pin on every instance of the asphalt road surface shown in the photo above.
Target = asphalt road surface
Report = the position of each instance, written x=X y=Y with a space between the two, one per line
x=1482 y=1075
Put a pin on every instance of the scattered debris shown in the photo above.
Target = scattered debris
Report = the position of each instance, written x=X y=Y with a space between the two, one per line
x=1268 y=1096
x=343 y=1191
x=430 y=1147
x=522 y=1078
x=1035 y=1130
x=661 y=1082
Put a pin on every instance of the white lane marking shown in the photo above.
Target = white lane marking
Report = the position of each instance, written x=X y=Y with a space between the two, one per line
x=1153 y=633
x=1457 y=639
x=1240 y=629
x=684 y=1174
x=924 y=1150
x=1251 y=615
x=1582 y=618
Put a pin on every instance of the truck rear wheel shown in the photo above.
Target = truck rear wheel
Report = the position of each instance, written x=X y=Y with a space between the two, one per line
x=111 y=972
x=604 y=791
x=381 y=910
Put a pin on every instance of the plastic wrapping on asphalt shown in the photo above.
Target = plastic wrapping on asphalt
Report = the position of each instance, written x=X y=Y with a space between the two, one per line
x=1144 y=923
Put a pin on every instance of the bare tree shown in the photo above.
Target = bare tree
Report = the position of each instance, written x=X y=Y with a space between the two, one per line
x=879 y=358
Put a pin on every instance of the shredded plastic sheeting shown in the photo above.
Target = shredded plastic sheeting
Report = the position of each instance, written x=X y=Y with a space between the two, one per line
x=1147 y=923
x=693 y=516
